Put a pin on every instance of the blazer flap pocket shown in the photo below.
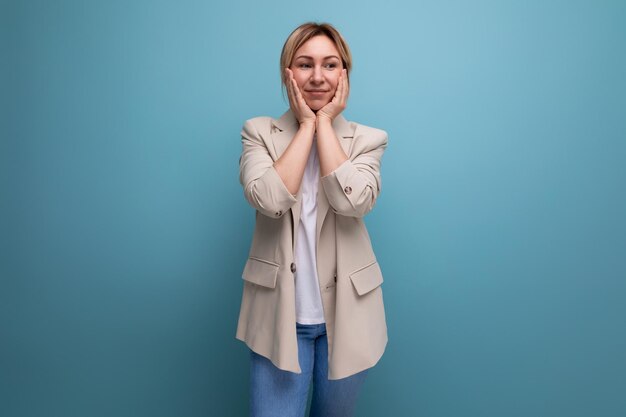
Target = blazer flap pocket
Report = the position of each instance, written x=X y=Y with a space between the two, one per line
x=367 y=278
x=261 y=272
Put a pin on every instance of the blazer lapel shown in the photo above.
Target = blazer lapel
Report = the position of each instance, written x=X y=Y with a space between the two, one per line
x=344 y=132
x=283 y=130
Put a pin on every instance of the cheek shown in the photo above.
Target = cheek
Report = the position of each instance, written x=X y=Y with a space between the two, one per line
x=298 y=76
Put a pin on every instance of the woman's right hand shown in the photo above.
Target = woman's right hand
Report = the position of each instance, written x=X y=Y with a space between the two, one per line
x=298 y=105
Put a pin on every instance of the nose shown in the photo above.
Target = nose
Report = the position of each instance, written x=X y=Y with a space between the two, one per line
x=317 y=77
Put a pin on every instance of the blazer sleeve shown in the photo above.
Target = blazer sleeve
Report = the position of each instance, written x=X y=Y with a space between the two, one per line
x=352 y=188
x=262 y=186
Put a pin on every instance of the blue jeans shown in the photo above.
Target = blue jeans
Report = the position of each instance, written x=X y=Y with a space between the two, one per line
x=278 y=393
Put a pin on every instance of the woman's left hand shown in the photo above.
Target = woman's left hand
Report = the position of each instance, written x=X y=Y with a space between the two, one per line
x=339 y=101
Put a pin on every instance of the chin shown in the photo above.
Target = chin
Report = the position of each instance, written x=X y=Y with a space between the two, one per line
x=316 y=106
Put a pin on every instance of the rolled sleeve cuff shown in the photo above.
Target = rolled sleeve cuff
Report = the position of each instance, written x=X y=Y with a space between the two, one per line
x=270 y=195
x=343 y=188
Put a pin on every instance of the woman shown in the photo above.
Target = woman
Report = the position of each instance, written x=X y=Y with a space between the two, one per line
x=312 y=305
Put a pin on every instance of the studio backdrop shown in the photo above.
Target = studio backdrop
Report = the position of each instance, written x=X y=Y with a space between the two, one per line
x=500 y=227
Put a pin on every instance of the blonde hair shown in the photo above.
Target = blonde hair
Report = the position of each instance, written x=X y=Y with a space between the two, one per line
x=303 y=33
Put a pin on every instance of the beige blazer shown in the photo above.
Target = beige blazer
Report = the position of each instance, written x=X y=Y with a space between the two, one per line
x=349 y=276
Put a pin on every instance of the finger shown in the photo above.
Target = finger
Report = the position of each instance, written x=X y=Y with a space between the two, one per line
x=343 y=87
x=291 y=82
x=339 y=91
x=292 y=97
x=346 y=88
x=337 y=94
x=345 y=84
x=287 y=86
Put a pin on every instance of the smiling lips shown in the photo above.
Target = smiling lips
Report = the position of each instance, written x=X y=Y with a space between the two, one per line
x=317 y=92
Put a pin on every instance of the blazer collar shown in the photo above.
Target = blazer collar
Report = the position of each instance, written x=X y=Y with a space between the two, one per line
x=288 y=121
x=285 y=127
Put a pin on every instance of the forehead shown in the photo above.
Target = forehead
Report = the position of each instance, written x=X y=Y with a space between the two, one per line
x=319 y=46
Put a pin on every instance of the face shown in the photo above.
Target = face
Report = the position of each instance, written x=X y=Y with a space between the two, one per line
x=316 y=67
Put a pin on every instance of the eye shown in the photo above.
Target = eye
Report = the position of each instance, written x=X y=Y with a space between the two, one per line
x=303 y=65
x=331 y=65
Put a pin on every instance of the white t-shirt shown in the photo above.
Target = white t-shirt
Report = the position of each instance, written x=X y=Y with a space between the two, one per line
x=309 y=309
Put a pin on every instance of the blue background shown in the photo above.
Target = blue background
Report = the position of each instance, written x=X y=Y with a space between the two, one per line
x=500 y=228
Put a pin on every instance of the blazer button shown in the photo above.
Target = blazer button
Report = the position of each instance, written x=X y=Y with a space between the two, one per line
x=279 y=213
x=293 y=267
x=348 y=189
x=335 y=277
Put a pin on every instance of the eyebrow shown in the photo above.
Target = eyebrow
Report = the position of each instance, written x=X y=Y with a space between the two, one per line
x=309 y=57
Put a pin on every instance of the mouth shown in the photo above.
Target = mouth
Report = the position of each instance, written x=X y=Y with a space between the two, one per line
x=316 y=93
